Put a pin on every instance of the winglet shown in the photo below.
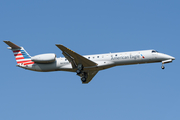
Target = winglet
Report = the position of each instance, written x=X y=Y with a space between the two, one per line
x=12 y=45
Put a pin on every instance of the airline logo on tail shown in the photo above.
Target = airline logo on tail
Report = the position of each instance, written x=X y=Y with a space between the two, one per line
x=22 y=57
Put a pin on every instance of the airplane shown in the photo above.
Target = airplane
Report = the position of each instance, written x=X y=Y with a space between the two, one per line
x=85 y=66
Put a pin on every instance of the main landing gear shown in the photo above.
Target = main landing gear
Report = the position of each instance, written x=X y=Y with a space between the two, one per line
x=84 y=77
x=79 y=69
x=80 y=72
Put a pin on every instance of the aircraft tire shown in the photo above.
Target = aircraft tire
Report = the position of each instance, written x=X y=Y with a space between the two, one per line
x=162 y=67
x=83 y=79
x=80 y=67
x=78 y=71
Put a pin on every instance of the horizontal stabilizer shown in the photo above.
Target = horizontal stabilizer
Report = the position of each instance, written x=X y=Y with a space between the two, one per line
x=12 y=45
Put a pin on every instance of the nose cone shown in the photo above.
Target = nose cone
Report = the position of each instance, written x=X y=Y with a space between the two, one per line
x=166 y=57
x=173 y=58
x=169 y=57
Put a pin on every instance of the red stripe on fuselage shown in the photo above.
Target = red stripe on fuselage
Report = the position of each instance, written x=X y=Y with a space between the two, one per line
x=24 y=61
x=16 y=51
x=17 y=54
x=28 y=63
x=19 y=58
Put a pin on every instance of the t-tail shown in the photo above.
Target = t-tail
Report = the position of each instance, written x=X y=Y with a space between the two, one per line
x=21 y=56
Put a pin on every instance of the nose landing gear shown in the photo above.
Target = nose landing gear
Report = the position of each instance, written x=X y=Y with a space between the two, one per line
x=162 y=66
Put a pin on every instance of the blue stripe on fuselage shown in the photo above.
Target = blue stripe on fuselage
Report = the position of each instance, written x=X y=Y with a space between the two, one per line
x=25 y=55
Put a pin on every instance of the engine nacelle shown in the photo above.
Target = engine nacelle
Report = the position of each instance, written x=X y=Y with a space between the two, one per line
x=44 y=58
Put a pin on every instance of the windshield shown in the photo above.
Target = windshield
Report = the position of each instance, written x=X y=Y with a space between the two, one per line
x=154 y=51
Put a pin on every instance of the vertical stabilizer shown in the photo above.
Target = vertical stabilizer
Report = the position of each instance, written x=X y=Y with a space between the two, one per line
x=21 y=56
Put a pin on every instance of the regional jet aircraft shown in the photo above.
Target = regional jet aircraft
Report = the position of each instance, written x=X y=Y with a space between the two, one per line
x=85 y=66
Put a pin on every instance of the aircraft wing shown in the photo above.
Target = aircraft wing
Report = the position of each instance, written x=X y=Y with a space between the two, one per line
x=75 y=58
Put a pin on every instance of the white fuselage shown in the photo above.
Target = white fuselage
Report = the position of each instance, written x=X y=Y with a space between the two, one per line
x=103 y=61
x=85 y=66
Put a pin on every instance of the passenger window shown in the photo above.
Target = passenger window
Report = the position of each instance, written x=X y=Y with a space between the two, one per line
x=116 y=55
x=97 y=56
x=88 y=57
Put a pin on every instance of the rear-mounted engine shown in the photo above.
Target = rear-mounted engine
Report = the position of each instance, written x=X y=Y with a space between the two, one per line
x=44 y=58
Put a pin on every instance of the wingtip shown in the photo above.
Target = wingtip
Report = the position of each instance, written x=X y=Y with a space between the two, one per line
x=6 y=41
x=58 y=44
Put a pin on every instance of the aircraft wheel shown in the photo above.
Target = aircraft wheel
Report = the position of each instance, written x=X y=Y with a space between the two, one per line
x=78 y=71
x=83 y=79
x=162 y=67
x=80 y=67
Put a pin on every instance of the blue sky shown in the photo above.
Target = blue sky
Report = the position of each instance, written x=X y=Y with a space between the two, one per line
x=138 y=92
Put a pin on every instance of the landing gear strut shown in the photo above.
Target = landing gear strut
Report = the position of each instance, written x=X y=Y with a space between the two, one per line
x=162 y=66
x=84 y=77
x=80 y=72
x=79 y=69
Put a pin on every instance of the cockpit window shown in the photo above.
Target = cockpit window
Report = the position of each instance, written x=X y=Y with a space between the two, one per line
x=154 y=51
